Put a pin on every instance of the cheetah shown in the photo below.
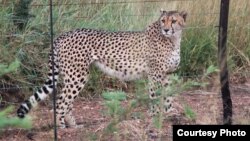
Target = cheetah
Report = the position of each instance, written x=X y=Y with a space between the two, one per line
x=153 y=54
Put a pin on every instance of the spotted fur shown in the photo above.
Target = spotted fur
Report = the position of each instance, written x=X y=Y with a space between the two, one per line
x=153 y=53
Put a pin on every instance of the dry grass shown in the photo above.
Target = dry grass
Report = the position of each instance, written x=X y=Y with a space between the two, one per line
x=199 y=51
x=199 y=46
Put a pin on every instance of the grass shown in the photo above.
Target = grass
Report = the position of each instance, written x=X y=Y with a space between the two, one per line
x=120 y=114
x=7 y=121
x=199 y=43
x=189 y=113
x=198 y=53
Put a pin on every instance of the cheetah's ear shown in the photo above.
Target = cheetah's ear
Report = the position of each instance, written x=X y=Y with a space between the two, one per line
x=184 y=15
x=162 y=11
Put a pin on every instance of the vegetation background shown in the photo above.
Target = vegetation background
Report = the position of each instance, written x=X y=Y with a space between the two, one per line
x=25 y=36
x=31 y=45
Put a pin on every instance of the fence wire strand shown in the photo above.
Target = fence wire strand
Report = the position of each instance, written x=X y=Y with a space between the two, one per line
x=102 y=3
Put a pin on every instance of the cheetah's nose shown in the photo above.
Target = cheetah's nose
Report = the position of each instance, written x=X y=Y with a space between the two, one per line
x=166 y=30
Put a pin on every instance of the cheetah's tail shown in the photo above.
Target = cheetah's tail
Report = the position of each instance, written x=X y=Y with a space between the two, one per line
x=42 y=92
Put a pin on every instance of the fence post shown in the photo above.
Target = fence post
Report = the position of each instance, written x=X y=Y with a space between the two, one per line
x=53 y=68
x=222 y=55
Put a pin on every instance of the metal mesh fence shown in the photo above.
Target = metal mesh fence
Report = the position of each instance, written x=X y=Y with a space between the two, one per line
x=141 y=12
x=139 y=8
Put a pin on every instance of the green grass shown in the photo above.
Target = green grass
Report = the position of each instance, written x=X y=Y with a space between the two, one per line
x=189 y=113
x=7 y=121
x=199 y=45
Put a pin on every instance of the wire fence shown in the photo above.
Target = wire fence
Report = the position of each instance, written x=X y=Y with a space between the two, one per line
x=101 y=2
x=79 y=6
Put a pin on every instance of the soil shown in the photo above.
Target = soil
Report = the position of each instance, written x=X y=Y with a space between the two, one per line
x=90 y=114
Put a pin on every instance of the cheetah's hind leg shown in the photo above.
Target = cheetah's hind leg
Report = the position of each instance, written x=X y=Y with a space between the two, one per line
x=70 y=91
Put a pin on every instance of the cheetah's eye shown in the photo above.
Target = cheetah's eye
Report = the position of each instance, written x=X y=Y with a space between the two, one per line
x=163 y=20
x=174 y=21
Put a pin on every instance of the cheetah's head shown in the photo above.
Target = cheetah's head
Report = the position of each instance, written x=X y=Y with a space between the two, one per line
x=172 y=22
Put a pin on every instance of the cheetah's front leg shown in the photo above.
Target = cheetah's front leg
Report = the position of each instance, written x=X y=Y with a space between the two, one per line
x=156 y=83
x=167 y=100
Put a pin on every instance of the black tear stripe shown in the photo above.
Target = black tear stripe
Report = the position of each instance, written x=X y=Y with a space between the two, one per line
x=172 y=28
x=45 y=90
